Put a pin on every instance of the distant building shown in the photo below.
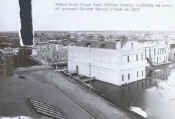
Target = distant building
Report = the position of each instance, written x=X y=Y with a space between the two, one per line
x=172 y=52
x=97 y=44
x=5 y=42
x=124 y=62
x=157 y=52
x=6 y=65
x=50 y=53
x=9 y=51
x=3 y=39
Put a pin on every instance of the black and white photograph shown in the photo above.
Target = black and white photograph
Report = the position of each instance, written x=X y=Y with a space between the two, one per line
x=91 y=59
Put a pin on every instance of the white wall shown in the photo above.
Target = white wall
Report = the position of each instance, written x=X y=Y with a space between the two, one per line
x=106 y=64
x=112 y=66
x=137 y=73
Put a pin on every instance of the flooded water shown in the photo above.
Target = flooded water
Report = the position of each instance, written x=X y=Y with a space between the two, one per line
x=154 y=95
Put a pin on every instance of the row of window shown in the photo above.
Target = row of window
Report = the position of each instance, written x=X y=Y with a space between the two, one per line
x=157 y=51
x=128 y=76
x=137 y=58
x=161 y=51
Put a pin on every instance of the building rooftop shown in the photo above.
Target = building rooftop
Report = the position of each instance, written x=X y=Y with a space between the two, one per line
x=97 y=44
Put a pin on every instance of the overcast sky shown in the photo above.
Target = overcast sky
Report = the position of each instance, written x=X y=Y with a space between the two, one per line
x=45 y=17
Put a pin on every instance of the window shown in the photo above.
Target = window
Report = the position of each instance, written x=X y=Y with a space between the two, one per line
x=88 y=44
x=142 y=56
x=128 y=59
x=157 y=60
x=154 y=51
x=132 y=45
x=123 y=77
x=137 y=58
x=137 y=74
x=165 y=58
x=142 y=73
x=128 y=76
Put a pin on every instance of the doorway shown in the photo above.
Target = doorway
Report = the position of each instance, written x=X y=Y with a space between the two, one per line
x=77 y=69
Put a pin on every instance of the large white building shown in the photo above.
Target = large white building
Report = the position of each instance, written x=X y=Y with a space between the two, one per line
x=123 y=64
